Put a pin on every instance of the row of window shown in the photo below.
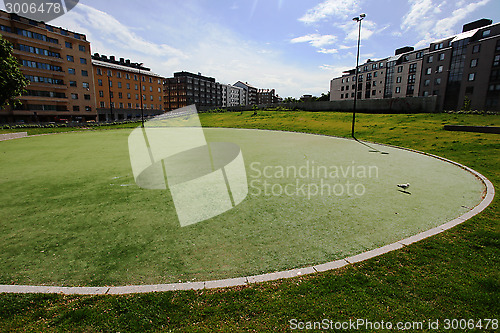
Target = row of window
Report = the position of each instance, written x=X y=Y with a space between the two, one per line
x=85 y=85
x=130 y=105
x=70 y=58
x=127 y=76
x=29 y=34
x=48 y=94
x=120 y=85
x=69 y=45
x=129 y=95
x=41 y=65
x=76 y=108
x=39 y=51
x=85 y=97
x=42 y=79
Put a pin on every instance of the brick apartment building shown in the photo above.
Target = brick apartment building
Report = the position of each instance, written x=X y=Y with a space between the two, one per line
x=119 y=85
x=267 y=96
x=187 y=88
x=58 y=64
x=460 y=68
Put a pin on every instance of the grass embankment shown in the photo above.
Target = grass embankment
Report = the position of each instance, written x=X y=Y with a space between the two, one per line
x=451 y=275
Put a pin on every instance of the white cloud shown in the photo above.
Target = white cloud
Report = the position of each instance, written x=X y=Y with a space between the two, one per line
x=336 y=8
x=368 y=28
x=425 y=18
x=315 y=40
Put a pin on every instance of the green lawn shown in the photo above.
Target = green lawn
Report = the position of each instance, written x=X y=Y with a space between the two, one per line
x=451 y=275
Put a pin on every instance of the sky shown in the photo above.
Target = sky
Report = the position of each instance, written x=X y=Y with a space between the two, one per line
x=293 y=46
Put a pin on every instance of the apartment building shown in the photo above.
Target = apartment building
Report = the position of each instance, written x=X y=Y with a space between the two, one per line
x=187 y=88
x=267 y=96
x=232 y=96
x=57 y=63
x=125 y=90
x=250 y=92
x=461 y=70
x=471 y=77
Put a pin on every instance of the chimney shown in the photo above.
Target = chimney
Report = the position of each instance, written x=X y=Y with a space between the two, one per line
x=112 y=58
x=122 y=60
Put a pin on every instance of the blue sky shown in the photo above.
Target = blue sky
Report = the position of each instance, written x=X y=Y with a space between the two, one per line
x=294 y=46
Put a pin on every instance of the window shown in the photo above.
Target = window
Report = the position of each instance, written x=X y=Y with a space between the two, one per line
x=72 y=83
x=129 y=96
x=110 y=83
x=151 y=89
x=85 y=73
x=400 y=69
x=136 y=96
x=136 y=87
x=398 y=90
x=99 y=82
x=119 y=84
x=413 y=68
x=83 y=61
x=64 y=33
x=135 y=77
x=426 y=93
x=486 y=33
x=127 y=76
x=496 y=61
x=77 y=36
x=74 y=96
x=374 y=92
x=88 y=108
x=150 y=80
x=341 y=96
x=111 y=95
x=498 y=46
x=103 y=104
x=342 y=88
x=159 y=90
x=476 y=48
x=441 y=57
x=412 y=78
x=473 y=63
x=151 y=97
x=86 y=85
x=86 y=97
x=68 y=45
x=381 y=65
x=70 y=58
x=82 y=48
x=119 y=75
x=398 y=79
x=121 y=105
x=76 y=108
x=428 y=71
x=430 y=59
x=427 y=83
x=438 y=81
x=101 y=93
x=99 y=71
x=129 y=105
x=472 y=76
x=375 y=74
x=128 y=85
x=439 y=69
x=120 y=95
x=110 y=73
x=71 y=71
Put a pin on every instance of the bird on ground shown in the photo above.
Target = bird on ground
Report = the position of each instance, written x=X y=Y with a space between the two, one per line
x=404 y=186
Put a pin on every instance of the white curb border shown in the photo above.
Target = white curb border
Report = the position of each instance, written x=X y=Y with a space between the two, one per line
x=244 y=281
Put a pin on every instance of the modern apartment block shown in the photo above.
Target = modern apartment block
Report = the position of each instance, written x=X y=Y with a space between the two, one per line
x=251 y=92
x=232 y=96
x=187 y=88
x=267 y=96
x=58 y=64
x=461 y=70
x=125 y=90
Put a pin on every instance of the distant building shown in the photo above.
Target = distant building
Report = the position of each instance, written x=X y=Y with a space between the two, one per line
x=119 y=85
x=459 y=70
x=57 y=63
x=267 y=96
x=187 y=88
x=232 y=96
x=251 y=92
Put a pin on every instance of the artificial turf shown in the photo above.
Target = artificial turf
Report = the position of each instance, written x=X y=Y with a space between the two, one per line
x=451 y=275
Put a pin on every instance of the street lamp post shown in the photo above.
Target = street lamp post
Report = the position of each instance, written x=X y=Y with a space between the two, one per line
x=357 y=19
x=140 y=85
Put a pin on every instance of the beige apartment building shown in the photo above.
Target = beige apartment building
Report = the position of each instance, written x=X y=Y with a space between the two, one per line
x=126 y=90
x=57 y=63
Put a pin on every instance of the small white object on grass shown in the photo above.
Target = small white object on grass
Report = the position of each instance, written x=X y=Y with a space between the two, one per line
x=404 y=186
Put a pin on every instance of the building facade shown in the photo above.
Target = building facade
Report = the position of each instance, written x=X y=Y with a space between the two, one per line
x=267 y=96
x=58 y=64
x=187 y=88
x=125 y=90
x=250 y=92
x=232 y=96
x=463 y=71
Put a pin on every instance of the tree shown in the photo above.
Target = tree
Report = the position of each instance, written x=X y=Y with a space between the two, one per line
x=12 y=80
x=324 y=97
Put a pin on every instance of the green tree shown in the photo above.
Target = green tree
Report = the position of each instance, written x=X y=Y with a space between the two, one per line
x=12 y=80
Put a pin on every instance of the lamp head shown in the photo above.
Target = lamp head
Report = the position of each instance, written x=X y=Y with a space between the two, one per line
x=356 y=19
x=362 y=16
